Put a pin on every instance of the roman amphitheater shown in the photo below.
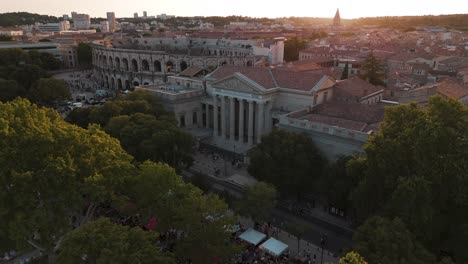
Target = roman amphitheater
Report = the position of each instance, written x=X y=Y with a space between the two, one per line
x=126 y=63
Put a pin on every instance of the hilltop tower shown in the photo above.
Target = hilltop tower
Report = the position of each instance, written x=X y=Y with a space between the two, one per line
x=337 y=19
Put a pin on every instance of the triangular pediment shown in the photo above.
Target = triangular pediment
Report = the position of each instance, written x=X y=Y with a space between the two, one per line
x=237 y=83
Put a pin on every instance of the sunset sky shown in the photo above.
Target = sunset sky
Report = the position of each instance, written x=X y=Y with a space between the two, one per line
x=254 y=8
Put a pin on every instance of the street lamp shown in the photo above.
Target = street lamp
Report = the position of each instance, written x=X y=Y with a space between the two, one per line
x=323 y=241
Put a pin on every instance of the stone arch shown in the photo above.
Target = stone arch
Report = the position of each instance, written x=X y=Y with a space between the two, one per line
x=112 y=86
x=134 y=65
x=169 y=66
x=117 y=63
x=223 y=62
x=145 y=83
x=157 y=66
x=111 y=62
x=145 y=65
x=249 y=63
x=135 y=83
x=127 y=84
x=119 y=84
x=125 y=64
x=106 y=82
x=104 y=60
x=183 y=65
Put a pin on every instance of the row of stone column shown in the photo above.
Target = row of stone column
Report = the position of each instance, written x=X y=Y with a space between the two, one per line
x=259 y=119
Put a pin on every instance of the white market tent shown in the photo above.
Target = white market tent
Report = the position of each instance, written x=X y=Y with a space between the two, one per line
x=274 y=247
x=253 y=237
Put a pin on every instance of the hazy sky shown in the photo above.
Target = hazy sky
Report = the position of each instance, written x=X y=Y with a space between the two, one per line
x=255 y=8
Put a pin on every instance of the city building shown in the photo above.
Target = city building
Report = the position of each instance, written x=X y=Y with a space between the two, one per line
x=49 y=47
x=69 y=55
x=145 y=15
x=12 y=32
x=104 y=26
x=54 y=27
x=135 y=15
x=66 y=17
x=337 y=19
x=112 y=21
x=81 y=21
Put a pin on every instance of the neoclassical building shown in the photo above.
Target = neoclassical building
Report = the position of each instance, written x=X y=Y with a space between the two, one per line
x=236 y=105
x=130 y=62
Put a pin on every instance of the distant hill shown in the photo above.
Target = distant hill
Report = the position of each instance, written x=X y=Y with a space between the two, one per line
x=24 y=18
x=459 y=21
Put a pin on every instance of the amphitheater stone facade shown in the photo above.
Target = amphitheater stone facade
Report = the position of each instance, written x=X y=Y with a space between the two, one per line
x=124 y=66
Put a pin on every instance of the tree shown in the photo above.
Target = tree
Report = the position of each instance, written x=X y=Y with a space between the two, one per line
x=373 y=71
x=49 y=90
x=292 y=47
x=385 y=241
x=85 y=55
x=416 y=169
x=102 y=241
x=203 y=219
x=345 y=73
x=290 y=161
x=352 y=258
x=9 y=90
x=79 y=116
x=27 y=75
x=52 y=171
x=258 y=201
x=5 y=38
x=49 y=62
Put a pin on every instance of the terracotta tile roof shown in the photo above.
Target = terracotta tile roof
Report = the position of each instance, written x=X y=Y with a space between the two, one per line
x=272 y=78
x=452 y=88
x=261 y=76
x=304 y=81
x=369 y=114
x=191 y=71
x=354 y=87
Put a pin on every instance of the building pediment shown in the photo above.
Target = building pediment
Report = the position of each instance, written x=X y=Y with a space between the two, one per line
x=239 y=84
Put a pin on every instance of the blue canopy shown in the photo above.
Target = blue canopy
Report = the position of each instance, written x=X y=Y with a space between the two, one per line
x=274 y=247
x=253 y=237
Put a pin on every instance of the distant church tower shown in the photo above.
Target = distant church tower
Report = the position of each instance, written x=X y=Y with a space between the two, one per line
x=337 y=19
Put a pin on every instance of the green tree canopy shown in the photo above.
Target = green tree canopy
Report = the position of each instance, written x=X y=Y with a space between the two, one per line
x=49 y=90
x=352 y=258
x=416 y=169
x=385 y=241
x=9 y=90
x=292 y=47
x=102 y=241
x=51 y=171
x=258 y=201
x=159 y=192
x=373 y=71
x=288 y=160
x=85 y=55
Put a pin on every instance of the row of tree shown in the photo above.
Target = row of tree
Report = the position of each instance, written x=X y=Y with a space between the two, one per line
x=145 y=130
x=409 y=190
x=56 y=176
x=24 y=74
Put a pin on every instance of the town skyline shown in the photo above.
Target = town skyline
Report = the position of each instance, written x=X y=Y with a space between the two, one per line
x=260 y=8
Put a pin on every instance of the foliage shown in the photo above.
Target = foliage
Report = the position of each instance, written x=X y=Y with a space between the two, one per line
x=102 y=241
x=458 y=21
x=372 y=70
x=416 y=170
x=48 y=91
x=337 y=183
x=9 y=90
x=289 y=161
x=258 y=201
x=159 y=192
x=352 y=258
x=50 y=171
x=385 y=241
x=85 y=55
x=345 y=73
x=5 y=38
x=79 y=116
x=24 y=18
x=292 y=47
